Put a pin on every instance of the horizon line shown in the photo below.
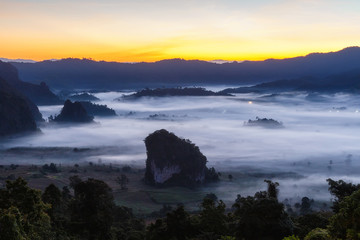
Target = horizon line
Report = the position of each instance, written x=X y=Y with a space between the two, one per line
x=215 y=61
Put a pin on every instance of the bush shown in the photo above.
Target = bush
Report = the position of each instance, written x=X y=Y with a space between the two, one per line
x=292 y=237
x=52 y=168
x=318 y=234
x=126 y=169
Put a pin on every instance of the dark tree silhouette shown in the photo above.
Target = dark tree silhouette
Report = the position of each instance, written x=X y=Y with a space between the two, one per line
x=123 y=180
x=345 y=223
x=213 y=218
x=176 y=225
x=340 y=189
x=262 y=216
x=272 y=190
x=23 y=207
x=92 y=209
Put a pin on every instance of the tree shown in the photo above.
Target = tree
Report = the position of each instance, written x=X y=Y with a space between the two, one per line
x=305 y=223
x=65 y=194
x=179 y=224
x=52 y=195
x=292 y=237
x=123 y=180
x=346 y=223
x=52 y=168
x=340 y=189
x=272 y=189
x=59 y=211
x=213 y=218
x=305 y=205
x=126 y=226
x=318 y=234
x=92 y=209
x=262 y=216
x=227 y=238
x=74 y=180
x=211 y=196
x=11 y=225
x=22 y=206
x=211 y=175
x=176 y=225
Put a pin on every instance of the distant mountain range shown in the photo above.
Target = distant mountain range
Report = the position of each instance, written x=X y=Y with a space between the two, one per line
x=173 y=92
x=343 y=82
x=317 y=69
x=17 y=60
x=37 y=93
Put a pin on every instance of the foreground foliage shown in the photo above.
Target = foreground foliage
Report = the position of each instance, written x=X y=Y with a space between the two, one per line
x=23 y=213
x=86 y=210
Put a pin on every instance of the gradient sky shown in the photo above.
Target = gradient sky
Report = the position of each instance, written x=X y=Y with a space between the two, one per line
x=150 y=30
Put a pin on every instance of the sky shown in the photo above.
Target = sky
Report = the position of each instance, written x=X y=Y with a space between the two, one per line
x=152 y=30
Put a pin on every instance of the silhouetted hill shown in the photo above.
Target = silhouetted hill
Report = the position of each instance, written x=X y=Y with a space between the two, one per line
x=72 y=113
x=8 y=74
x=345 y=81
x=342 y=82
x=83 y=97
x=39 y=94
x=167 y=92
x=15 y=113
x=88 y=74
x=273 y=87
x=97 y=110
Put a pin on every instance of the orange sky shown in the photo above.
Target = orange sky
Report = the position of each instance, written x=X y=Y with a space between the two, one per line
x=151 y=30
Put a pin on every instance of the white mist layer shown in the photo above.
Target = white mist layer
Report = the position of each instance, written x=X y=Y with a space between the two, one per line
x=320 y=140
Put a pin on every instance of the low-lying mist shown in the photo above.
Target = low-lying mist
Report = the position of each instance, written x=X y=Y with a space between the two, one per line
x=319 y=140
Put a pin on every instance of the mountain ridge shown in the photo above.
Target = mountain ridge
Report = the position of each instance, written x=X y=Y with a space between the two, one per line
x=39 y=94
x=89 y=74
x=17 y=114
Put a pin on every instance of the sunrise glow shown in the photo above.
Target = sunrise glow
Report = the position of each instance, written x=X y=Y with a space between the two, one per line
x=152 y=30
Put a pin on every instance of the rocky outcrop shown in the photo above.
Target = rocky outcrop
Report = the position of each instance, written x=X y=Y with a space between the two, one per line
x=15 y=113
x=39 y=94
x=173 y=161
x=73 y=112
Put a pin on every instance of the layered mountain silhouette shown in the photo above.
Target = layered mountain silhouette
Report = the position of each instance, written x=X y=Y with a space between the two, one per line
x=342 y=82
x=16 y=115
x=40 y=93
x=9 y=81
x=88 y=74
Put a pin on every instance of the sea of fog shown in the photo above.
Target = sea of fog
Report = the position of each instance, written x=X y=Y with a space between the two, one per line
x=320 y=138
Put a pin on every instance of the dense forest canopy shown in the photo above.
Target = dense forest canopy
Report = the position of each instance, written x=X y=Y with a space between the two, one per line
x=86 y=210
